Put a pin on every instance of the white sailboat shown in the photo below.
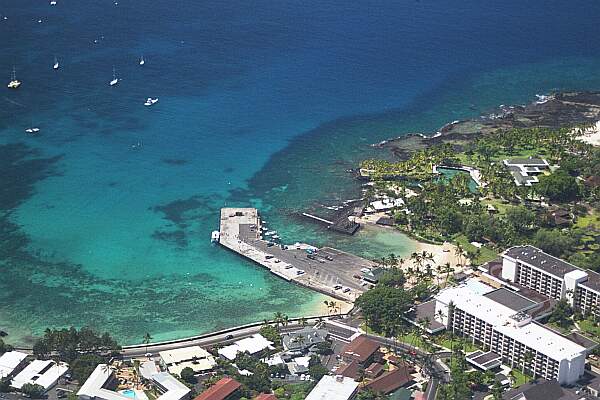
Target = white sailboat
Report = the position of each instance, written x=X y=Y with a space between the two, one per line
x=142 y=61
x=14 y=82
x=150 y=101
x=114 y=80
x=32 y=130
x=56 y=65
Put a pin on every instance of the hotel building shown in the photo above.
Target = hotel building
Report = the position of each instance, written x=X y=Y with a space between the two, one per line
x=497 y=321
x=530 y=267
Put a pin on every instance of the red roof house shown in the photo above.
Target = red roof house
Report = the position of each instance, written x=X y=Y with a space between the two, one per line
x=222 y=390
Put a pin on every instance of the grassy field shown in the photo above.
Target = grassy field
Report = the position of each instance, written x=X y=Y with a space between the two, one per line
x=485 y=253
x=520 y=378
x=590 y=220
x=589 y=328
x=449 y=344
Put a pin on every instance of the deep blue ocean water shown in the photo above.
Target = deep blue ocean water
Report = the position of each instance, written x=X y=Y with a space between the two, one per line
x=106 y=214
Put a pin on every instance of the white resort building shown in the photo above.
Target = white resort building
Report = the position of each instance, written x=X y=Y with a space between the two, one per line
x=11 y=362
x=194 y=357
x=45 y=373
x=530 y=267
x=102 y=383
x=252 y=345
x=334 y=388
x=525 y=171
x=510 y=335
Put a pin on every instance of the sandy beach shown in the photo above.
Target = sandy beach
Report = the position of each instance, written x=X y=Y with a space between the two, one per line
x=590 y=135
x=442 y=254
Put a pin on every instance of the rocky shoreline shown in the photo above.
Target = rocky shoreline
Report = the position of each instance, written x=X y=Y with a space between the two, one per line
x=555 y=111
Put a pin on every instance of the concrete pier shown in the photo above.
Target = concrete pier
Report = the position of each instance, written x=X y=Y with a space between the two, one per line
x=319 y=269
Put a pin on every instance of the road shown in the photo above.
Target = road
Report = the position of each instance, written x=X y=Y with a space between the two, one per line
x=434 y=369
x=210 y=339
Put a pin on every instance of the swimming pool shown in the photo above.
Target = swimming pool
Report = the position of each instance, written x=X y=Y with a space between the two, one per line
x=128 y=393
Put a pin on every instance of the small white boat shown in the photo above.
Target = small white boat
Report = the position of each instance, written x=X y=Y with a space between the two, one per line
x=142 y=62
x=14 y=82
x=32 y=130
x=215 y=236
x=270 y=233
x=115 y=80
x=150 y=101
x=53 y=3
x=56 y=65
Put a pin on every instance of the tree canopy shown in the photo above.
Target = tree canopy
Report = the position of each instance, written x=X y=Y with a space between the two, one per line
x=383 y=306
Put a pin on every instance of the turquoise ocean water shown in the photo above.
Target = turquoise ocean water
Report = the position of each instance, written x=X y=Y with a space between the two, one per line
x=105 y=216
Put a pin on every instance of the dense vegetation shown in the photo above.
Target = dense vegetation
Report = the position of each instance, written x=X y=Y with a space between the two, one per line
x=83 y=349
x=500 y=214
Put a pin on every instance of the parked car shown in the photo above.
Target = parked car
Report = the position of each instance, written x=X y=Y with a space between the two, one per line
x=229 y=337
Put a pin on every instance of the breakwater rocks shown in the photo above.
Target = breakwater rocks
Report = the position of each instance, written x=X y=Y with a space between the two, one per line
x=553 y=111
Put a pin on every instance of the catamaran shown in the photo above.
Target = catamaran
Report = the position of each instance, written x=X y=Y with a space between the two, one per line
x=55 y=66
x=14 y=82
x=114 y=80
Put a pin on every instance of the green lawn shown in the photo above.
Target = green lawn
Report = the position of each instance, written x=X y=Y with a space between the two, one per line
x=449 y=344
x=592 y=220
x=485 y=253
x=412 y=339
x=589 y=328
x=520 y=378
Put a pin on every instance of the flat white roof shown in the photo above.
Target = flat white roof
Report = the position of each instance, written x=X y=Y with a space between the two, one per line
x=174 y=390
x=94 y=386
x=530 y=334
x=184 y=354
x=41 y=372
x=333 y=388
x=252 y=345
x=9 y=361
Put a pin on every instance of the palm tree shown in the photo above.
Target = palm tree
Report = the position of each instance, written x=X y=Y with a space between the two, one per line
x=527 y=359
x=300 y=339
x=147 y=339
x=303 y=321
x=278 y=318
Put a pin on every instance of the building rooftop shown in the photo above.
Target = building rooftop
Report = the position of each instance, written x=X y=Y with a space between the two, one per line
x=390 y=381
x=265 y=396
x=528 y=161
x=304 y=338
x=516 y=326
x=375 y=369
x=361 y=348
x=510 y=299
x=541 y=390
x=536 y=257
x=593 y=281
x=252 y=345
x=425 y=311
x=9 y=361
x=333 y=388
x=170 y=386
x=220 y=390
x=184 y=354
x=95 y=387
x=483 y=360
x=40 y=372
x=350 y=370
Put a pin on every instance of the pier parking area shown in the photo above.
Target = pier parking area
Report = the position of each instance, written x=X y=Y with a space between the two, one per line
x=327 y=270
